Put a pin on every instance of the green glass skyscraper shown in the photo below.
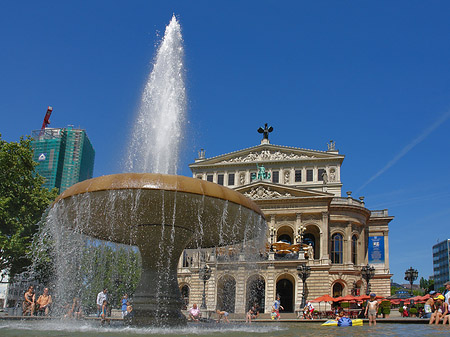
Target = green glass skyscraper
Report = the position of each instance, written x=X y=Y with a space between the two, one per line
x=65 y=156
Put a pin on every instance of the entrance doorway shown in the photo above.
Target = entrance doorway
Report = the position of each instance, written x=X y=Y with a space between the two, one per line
x=285 y=289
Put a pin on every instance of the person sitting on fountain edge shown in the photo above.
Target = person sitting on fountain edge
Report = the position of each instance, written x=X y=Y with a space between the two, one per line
x=194 y=313
x=102 y=296
x=29 y=304
x=251 y=314
x=44 y=301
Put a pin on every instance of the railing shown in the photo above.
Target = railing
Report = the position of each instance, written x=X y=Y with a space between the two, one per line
x=346 y=201
x=379 y=214
x=290 y=256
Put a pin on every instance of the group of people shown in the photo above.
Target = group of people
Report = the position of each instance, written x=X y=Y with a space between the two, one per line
x=31 y=306
x=195 y=314
x=104 y=309
x=73 y=309
x=436 y=308
x=252 y=313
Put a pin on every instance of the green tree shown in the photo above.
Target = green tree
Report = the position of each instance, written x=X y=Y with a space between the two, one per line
x=22 y=202
x=107 y=266
x=427 y=285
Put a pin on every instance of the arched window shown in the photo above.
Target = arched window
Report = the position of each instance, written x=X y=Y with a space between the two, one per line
x=226 y=293
x=185 y=296
x=285 y=238
x=337 y=289
x=354 y=249
x=336 y=248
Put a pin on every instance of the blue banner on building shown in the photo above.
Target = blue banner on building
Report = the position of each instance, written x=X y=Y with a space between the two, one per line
x=376 y=249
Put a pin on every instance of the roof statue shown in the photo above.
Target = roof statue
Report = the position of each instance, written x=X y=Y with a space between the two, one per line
x=265 y=133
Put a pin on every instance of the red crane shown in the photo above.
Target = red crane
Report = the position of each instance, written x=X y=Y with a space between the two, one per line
x=46 y=119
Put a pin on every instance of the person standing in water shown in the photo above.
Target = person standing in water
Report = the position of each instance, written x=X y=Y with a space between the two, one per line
x=372 y=309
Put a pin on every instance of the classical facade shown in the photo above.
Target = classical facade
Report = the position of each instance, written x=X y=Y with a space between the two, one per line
x=309 y=223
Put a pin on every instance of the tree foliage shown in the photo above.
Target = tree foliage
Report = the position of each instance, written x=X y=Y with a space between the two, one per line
x=22 y=202
x=427 y=285
x=107 y=266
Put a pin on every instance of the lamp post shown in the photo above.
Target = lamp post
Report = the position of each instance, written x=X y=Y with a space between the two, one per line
x=367 y=273
x=303 y=273
x=204 y=274
x=299 y=236
x=410 y=276
x=272 y=234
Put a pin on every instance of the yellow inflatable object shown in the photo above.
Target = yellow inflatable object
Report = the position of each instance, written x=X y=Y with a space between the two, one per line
x=333 y=322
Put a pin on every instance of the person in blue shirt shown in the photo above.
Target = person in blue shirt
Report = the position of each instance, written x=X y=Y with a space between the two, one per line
x=124 y=305
x=276 y=307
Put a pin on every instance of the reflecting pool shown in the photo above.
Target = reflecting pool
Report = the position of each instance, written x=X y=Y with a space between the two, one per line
x=85 y=328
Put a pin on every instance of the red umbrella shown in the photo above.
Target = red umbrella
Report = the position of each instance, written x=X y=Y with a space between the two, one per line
x=348 y=298
x=323 y=298
x=362 y=298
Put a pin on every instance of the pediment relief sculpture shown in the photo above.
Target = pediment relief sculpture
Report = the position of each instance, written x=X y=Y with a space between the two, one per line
x=265 y=193
x=266 y=155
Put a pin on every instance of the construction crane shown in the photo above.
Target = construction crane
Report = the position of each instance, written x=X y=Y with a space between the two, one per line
x=46 y=120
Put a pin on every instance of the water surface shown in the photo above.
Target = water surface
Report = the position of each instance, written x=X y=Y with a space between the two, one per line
x=73 y=328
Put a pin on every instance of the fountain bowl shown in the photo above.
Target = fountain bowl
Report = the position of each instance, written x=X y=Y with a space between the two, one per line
x=162 y=215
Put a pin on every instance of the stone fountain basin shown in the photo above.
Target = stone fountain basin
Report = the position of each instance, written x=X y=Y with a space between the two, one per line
x=120 y=207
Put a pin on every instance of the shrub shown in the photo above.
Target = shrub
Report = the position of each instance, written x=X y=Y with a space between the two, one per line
x=385 y=307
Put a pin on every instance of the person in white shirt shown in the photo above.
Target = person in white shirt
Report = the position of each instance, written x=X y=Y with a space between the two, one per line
x=102 y=296
x=447 y=291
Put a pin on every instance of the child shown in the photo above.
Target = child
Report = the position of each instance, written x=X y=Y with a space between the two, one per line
x=372 y=309
x=342 y=318
x=222 y=314
x=276 y=308
x=104 y=311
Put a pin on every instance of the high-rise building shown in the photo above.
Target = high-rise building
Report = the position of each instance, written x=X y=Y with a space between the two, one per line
x=65 y=156
x=441 y=266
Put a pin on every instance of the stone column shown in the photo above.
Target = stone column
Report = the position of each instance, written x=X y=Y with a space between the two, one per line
x=240 y=296
x=348 y=244
x=324 y=255
x=386 y=250
x=270 y=288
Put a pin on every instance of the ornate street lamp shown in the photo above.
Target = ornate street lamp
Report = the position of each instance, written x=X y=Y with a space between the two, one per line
x=299 y=235
x=303 y=273
x=272 y=234
x=411 y=275
x=367 y=273
x=204 y=274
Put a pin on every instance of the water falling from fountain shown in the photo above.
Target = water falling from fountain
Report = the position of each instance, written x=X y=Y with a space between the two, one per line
x=158 y=130
x=158 y=214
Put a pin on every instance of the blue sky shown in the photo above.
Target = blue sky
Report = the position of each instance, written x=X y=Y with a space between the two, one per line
x=372 y=75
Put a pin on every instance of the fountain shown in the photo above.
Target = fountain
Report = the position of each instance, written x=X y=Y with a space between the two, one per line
x=160 y=213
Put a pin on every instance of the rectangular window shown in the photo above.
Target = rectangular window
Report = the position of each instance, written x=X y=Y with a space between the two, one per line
x=298 y=176
x=220 y=179
x=309 y=175
x=275 y=176
x=230 y=179
x=320 y=174
x=209 y=177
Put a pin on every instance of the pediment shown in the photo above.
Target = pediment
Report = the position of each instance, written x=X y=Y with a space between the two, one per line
x=268 y=153
x=262 y=190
